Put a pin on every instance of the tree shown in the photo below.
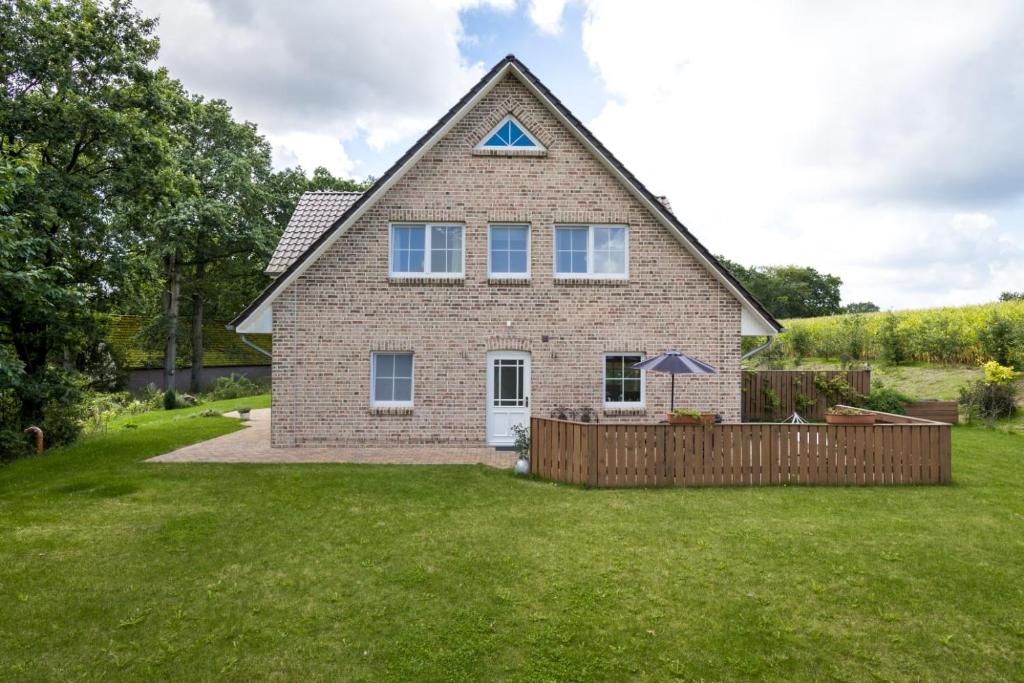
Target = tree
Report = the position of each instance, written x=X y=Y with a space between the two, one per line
x=789 y=291
x=1012 y=296
x=217 y=213
x=81 y=108
x=861 y=307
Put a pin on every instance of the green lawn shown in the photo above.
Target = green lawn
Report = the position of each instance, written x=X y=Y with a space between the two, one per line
x=114 y=568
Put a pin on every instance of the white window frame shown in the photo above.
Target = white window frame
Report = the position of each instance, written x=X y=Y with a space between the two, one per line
x=529 y=136
x=604 y=382
x=374 y=403
x=590 y=274
x=529 y=251
x=426 y=273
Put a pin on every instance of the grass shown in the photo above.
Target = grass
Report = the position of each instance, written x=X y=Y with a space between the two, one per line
x=112 y=568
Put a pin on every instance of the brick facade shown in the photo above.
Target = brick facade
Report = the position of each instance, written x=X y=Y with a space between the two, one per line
x=327 y=322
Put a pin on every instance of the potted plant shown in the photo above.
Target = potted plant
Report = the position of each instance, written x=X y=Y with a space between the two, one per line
x=685 y=416
x=522 y=446
x=844 y=415
x=243 y=413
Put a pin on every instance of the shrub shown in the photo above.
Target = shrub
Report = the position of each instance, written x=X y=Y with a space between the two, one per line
x=232 y=386
x=803 y=403
x=999 y=374
x=800 y=343
x=999 y=338
x=836 y=389
x=893 y=344
x=522 y=443
x=993 y=397
x=170 y=399
x=63 y=421
x=885 y=399
x=13 y=444
x=988 y=402
x=855 y=334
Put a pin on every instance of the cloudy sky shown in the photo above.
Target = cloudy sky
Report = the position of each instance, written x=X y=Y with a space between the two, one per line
x=881 y=141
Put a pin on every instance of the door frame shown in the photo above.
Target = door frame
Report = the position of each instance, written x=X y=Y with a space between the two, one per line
x=490 y=357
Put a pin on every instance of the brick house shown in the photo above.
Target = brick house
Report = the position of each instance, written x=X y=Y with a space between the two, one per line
x=507 y=263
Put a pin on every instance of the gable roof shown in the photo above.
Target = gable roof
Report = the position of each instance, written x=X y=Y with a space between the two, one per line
x=314 y=214
x=259 y=309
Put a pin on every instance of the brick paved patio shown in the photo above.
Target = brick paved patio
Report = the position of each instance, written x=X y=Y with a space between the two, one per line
x=252 y=445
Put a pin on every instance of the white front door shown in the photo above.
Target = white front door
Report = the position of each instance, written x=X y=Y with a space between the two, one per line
x=508 y=395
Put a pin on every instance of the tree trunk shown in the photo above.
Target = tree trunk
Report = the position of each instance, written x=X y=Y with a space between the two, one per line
x=198 y=298
x=172 y=303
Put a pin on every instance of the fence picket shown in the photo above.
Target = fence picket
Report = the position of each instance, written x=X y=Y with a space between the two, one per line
x=751 y=454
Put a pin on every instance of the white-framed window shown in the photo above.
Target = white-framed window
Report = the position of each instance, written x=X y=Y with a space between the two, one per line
x=594 y=251
x=623 y=384
x=508 y=251
x=391 y=380
x=427 y=250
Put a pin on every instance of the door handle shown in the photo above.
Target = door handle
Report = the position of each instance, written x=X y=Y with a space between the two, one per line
x=527 y=401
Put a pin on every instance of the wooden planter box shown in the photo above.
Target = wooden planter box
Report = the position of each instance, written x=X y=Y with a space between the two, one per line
x=704 y=419
x=850 y=419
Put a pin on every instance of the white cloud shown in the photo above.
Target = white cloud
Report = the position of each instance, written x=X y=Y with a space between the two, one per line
x=320 y=74
x=876 y=140
x=311 y=150
x=547 y=15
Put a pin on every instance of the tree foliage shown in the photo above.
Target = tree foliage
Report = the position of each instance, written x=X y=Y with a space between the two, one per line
x=117 y=188
x=81 y=121
x=790 y=291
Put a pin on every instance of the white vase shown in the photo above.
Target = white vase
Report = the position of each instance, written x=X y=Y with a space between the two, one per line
x=522 y=466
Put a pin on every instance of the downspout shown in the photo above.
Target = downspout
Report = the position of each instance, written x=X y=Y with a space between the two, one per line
x=254 y=347
x=748 y=354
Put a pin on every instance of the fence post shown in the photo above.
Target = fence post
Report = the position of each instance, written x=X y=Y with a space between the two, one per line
x=592 y=457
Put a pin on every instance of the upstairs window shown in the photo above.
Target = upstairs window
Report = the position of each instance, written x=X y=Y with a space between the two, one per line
x=596 y=251
x=509 y=134
x=427 y=250
x=509 y=253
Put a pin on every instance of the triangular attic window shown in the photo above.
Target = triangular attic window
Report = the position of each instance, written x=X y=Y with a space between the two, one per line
x=509 y=134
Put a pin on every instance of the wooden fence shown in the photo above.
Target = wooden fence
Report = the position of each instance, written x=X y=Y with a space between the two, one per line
x=937 y=411
x=904 y=450
x=773 y=395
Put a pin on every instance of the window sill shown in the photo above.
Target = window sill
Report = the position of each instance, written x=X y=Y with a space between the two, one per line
x=591 y=281
x=608 y=410
x=427 y=280
x=510 y=152
x=390 y=410
x=511 y=280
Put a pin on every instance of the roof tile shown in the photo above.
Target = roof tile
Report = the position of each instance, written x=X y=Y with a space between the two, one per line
x=315 y=212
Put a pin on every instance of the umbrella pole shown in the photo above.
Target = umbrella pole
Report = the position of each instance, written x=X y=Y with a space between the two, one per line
x=672 y=402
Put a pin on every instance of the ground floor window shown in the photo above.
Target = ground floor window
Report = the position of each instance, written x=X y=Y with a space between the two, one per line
x=391 y=379
x=623 y=385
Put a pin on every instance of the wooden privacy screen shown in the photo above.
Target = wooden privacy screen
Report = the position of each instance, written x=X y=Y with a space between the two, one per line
x=937 y=411
x=776 y=394
x=912 y=452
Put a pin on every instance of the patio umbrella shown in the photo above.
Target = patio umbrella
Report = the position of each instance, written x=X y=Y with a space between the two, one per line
x=675 y=363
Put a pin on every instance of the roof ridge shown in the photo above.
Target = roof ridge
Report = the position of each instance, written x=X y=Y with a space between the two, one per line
x=333 y=192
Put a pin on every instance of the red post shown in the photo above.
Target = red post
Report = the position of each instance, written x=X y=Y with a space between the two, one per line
x=38 y=433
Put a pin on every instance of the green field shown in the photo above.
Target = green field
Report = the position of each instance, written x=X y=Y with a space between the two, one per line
x=958 y=335
x=112 y=568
